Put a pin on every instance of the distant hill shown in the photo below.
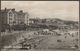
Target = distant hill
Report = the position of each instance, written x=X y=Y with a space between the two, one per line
x=74 y=24
x=59 y=22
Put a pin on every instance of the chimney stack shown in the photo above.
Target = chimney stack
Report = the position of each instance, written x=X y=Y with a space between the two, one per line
x=13 y=9
x=21 y=11
x=5 y=9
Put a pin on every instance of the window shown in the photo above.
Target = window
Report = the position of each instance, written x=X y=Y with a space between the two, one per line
x=10 y=22
x=10 y=18
x=10 y=14
x=59 y=40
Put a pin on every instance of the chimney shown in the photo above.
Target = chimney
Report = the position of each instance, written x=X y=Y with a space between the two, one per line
x=13 y=9
x=5 y=9
x=21 y=11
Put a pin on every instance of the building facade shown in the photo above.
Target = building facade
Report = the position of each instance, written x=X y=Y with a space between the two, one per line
x=11 y=17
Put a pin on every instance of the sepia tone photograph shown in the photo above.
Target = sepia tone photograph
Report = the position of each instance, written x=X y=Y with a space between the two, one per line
x=40 y=26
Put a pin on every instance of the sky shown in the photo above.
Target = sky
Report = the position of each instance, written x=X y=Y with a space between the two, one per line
x=67 y=10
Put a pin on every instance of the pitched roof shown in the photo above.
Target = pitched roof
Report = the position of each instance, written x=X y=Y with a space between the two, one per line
x=15 y=12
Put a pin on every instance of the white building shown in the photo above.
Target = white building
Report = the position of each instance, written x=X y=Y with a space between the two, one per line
x=11 y=16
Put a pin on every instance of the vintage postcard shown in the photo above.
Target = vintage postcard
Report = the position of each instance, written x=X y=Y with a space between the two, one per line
x=39 y=25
